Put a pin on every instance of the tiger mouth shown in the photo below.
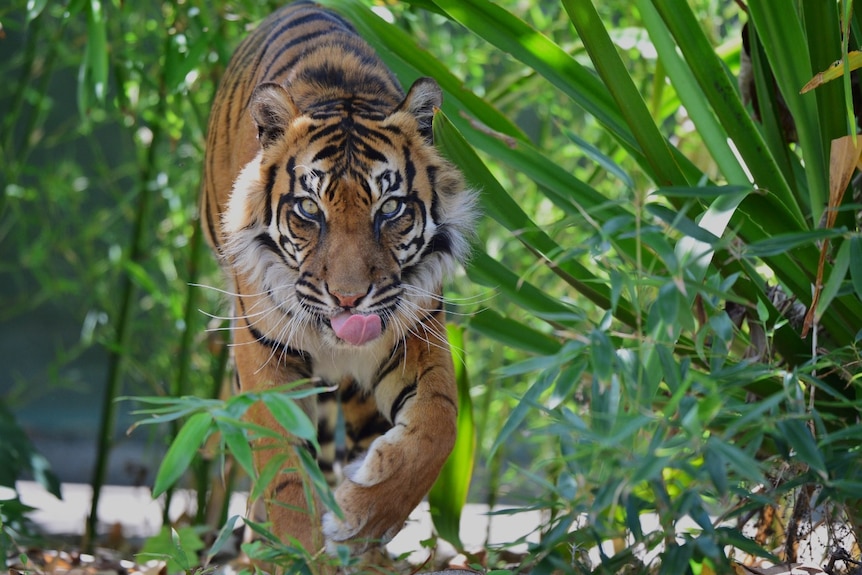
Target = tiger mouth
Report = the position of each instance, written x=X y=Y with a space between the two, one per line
x=356 y=328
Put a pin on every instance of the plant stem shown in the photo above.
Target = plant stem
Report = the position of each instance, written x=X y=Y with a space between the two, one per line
x=119 y=347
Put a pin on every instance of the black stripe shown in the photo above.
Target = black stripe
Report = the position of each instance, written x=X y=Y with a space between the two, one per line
x=394 y=360
x=325 y=432
x=348 y=392
x=292 y=479
x=292 y=43
x=270 y=184
x=431 y=174
x=325 y=153
x=377 y=425
x=406 y=393
x=447 y=399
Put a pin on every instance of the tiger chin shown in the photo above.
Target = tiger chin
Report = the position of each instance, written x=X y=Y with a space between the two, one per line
x=336 y=221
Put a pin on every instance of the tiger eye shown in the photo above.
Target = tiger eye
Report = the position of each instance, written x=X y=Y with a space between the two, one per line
x=309 y=207
x=390 y=206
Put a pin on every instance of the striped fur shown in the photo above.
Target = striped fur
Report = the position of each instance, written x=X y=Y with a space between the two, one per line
x=324 y=198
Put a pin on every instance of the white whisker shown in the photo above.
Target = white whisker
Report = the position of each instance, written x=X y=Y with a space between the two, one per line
x=227 y=292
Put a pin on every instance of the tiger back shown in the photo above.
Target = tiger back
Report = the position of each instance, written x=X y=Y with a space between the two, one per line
x=335 y=220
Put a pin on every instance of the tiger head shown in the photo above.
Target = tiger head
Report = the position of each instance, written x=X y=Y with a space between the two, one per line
x=348 y=218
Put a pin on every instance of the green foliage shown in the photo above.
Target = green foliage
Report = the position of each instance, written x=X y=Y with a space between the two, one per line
x=657 y=400
x=449 y=493
x=20 y=458
x=177 y=547
x=203 y=417
x=640 y=374
x=20 y=461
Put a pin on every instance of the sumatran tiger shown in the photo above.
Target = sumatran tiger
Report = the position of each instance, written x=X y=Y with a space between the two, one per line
x=336 y=220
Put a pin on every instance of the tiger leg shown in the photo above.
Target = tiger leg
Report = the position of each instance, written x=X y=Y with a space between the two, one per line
x=291 y=514
x=381 y=489
x=363 y=424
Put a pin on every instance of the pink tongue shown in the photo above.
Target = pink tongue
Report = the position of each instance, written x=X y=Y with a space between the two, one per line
x=356 y=328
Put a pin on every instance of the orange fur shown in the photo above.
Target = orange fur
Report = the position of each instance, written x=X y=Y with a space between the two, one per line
x=323 y=197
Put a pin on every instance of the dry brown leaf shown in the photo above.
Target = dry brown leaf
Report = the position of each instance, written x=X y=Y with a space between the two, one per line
x=844 y=156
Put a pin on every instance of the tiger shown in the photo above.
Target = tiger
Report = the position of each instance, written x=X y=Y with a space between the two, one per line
x=336 y=221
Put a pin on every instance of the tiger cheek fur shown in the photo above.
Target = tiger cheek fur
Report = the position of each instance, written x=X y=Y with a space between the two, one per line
x=336 y=221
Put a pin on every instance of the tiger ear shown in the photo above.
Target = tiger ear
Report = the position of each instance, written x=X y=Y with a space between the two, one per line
x=421 y=101
x=272 y=109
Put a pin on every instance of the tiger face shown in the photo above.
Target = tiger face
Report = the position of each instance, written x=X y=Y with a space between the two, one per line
x=351 y=214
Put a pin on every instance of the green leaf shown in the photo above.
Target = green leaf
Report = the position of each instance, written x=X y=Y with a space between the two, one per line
x=268 y=473
x=290 y=416
x=35 y=8
x=318 y=481
x=786 y=46
x=699 y=192
x=856 y=264
x=497 y=203
x=835 y=281
x=448 y=495
x=602 y=355
x=735 y=538
x=716 y=468
x=238 y=444
x=682 y=223
x=601 y=159
x=224 y=535
x=93 y=73
x=742 y=463
x=527 y=403
x=178 y=547
x=182 y=451
x=528 y=45
x=782 y=243
x=610 y=67
x=797 y=434
x=513 y=333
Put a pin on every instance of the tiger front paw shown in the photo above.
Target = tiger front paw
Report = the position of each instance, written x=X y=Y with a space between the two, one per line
x=365 y=521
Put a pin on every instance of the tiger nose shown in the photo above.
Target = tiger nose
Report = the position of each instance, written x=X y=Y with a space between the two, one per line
x=347 y=300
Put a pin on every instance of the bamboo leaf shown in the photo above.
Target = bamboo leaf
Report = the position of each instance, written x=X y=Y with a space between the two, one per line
x=786 y=47
x=855 y=265
x=720 y=90
x=224 y=535
x=513 y=333
x=797 y=434
x=743 y=464
x=182 y=450
x=840 y=265
x=782 y=243
x=696 y=102
x=525 y=43
x=449 y=493
x=290 y=416
x=613 y=72
x=523 y=409
x=238 y=445
x=682 y=223
x=700 y=192
x=318 y=481
x=497 y=203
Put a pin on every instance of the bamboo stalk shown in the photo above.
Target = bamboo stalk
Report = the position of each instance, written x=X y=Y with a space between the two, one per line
x=118 y=348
